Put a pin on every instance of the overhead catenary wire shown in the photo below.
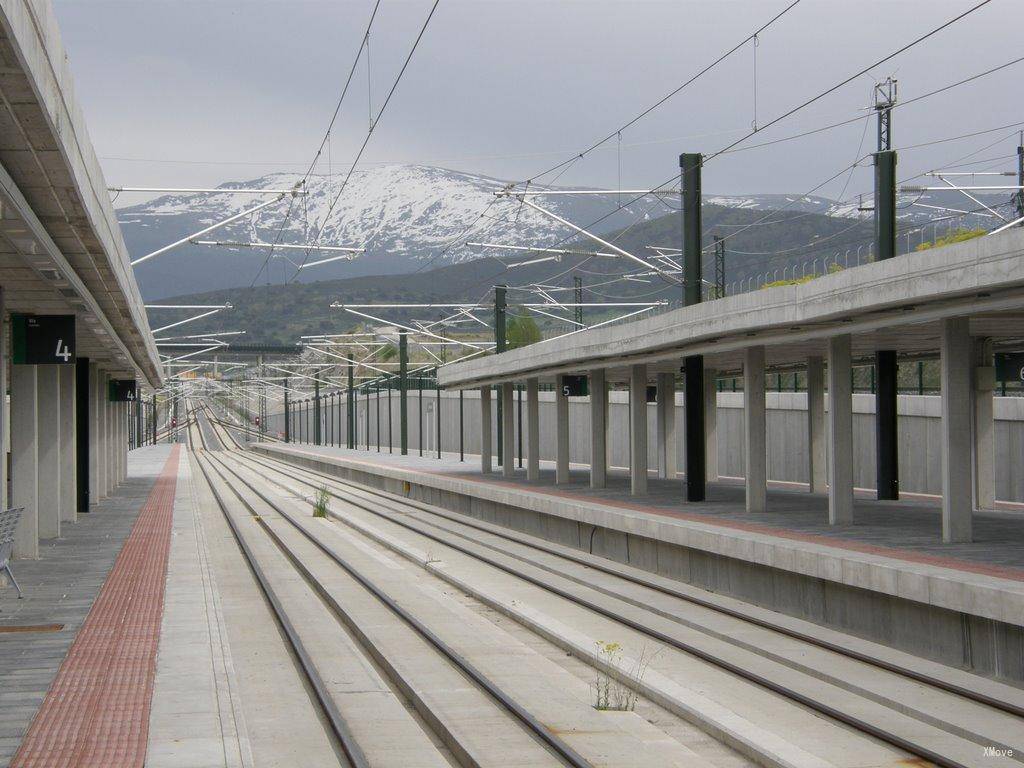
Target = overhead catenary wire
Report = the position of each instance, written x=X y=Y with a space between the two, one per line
x=373 y=125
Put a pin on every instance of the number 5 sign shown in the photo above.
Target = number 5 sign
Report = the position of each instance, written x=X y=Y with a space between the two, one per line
x=42 y=339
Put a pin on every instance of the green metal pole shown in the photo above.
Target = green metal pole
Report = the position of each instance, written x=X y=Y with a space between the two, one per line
x=350 y=410
x=403 y=401
x=500 y=344
x=316 y=408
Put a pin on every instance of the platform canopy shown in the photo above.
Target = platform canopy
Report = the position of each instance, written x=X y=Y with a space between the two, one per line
x=892 y=305
x=61 y=248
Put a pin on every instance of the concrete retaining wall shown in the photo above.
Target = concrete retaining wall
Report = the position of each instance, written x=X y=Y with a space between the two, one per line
x=919 y=434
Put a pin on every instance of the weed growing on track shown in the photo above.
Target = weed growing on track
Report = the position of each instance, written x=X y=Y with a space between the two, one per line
x=610 y=692
x=320 y=502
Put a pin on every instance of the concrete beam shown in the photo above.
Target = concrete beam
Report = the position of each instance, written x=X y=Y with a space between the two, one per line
x=817 y=471
x=561 y=435
x=666 y=423
x=638 y=429
x=840 y=413
x=532 y=429
x=25 y=459
x=598 y=429
x=485 y=429
x=754 y=440
x=711 y=424
x=508 y=430
x=68 y=449
x=955 y=354
x=48 y=438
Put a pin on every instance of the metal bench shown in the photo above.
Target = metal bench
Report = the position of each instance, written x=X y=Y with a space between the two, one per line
x=8 y=522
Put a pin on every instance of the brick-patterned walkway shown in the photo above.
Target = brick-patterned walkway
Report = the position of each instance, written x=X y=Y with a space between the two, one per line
x=96 y=713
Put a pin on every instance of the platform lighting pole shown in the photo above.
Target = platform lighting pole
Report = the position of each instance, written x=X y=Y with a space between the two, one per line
x=693 y=366
x=886 y=434
x=500 y=343
x=403 y=395
x=437 y=408
x=350 y=411
x=419 y=398
x=316 y=407
x=1020 y=178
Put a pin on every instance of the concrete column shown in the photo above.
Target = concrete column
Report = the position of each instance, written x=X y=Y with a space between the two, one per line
x=754 y=440
x=508 y=430
x=711 y=424
x=956 y=430
x=49 y=438
x=817 y=470
x=666 y=421
x=638 y=431
x=25 y=459
x=124 y=442
x=532 y=429
x=95 y=437
x=840 y=416
x=984 y=381
x=561 y=434
x=485 y=429
x=108 y=436
x=68 y=450
x=4 y=415
x=598 y=428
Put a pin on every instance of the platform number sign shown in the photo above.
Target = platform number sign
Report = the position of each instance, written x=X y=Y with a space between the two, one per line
x=42 y=339
x=574 y=386
x=1010 y=366
x=123 y=391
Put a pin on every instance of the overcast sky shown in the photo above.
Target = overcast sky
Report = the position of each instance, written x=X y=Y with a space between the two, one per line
x=190 y=93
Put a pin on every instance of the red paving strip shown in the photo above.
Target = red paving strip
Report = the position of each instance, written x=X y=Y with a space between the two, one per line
x=96 y=712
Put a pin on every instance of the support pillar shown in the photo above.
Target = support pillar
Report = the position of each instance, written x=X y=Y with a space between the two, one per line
x=95 y=437
x=696 y=437
x=485 y=429
x=638 y=429
x=598 y=428
x=4 y=415
x=754 y=441
x=403 y=396
x=508 y=430
x=840 y=415
x=886 y=444
x=666 y=422
x=532 y=429
x=561 y=434
x=984 y=383
x=711 y=424
x=48 y=437
x=817 y=471
x=25 y=459
x=82 y=432
x=108 y=416
x=956 y=426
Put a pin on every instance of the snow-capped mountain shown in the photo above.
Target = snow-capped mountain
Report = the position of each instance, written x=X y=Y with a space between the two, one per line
x=407 y=217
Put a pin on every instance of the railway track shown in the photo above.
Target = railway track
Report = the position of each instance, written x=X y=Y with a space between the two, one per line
x=928 y=702
x=290 y=533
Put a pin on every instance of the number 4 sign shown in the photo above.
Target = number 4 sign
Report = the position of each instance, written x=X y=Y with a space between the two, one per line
x=42 y=339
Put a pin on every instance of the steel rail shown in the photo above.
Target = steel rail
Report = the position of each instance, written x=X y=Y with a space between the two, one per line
x=339 y=726
x=920 y=677
x=836 y=714
x=565 y=752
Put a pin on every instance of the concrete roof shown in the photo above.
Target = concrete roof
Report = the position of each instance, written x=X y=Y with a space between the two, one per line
x=895 y=304
x=61 y=248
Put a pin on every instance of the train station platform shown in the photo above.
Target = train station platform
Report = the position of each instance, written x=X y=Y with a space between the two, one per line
x=77 y=651
x=888 y=577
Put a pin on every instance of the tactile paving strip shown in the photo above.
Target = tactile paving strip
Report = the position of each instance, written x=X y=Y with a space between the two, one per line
x=96 y=713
